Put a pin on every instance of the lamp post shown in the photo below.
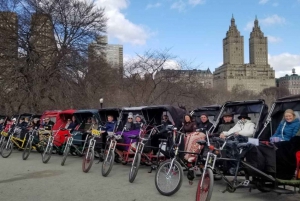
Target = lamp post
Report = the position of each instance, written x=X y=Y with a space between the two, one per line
x=101 y=102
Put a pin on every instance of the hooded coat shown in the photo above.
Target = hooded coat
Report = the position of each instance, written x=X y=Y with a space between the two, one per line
x=244 y=128
x=287 y=130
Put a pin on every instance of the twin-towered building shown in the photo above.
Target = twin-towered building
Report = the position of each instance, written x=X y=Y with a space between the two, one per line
x=257 y=74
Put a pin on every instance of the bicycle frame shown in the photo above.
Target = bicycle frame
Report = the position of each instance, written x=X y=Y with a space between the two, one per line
x=70 y=143
x=91 y=146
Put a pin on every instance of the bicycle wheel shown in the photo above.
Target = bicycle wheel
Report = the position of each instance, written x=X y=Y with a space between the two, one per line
x=88 y=160
x=47 y=154
x=204 y=193
x=134 y=167
x=66 y=153
x=108 y=163
x=6 y=148
x=27 y=150
x=168 y=179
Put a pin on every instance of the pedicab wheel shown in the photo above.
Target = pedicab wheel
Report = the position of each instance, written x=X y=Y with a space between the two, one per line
x=204 y=193
x=108 y=163
x=6 y=149
x=47 y=154
x=66 y=153
x=168 y=179
x=88 y=160
x=134 y=167
x=27 y=150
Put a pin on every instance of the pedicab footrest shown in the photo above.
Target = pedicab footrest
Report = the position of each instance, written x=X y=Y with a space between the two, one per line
x=292 y=182
x=133 y=137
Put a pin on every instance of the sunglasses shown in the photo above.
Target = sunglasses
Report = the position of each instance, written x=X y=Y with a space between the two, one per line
x=130 y=118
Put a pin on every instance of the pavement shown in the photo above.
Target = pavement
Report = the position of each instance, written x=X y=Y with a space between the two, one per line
x=31 y=180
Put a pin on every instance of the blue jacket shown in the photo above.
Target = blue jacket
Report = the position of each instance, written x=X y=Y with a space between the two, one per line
x=287 y=130
x=110 y=126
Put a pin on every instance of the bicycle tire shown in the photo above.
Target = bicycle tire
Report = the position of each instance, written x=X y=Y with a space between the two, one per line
x=205 y=193
x=65 y=155
x=89 y=157
x=9 y=148
x=159 y=187
x=110 y=160
x=135 y=167
x=27 y=150
x=47 y=154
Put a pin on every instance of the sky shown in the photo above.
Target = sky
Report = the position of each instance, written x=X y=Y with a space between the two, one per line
x=193 y=30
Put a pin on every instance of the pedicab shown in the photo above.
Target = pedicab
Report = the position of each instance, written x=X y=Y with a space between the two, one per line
x=4 y=128
x=57 y=135
x=155 y=138
x=77 y=143
x=38 y=137
x=122 y=140
x=18 y=136
x=258 y=159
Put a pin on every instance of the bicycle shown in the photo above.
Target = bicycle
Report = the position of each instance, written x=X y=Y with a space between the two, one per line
x=50 y=145
x=173 y=167
x=88 y=159
x=8 y=145
x=30 y=142
x=70 y=147
x=139 y=153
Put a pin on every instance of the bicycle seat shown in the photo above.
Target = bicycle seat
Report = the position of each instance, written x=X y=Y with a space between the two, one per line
x=201 y=142
x=163 y=140
x=133 y=137
x=243 y=145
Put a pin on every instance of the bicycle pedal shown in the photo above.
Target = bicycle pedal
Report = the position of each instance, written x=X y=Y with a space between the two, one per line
x=244 y=183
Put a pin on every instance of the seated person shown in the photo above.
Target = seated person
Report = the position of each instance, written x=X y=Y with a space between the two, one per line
x=204 y=125
x=129 y=126
x=188 y=125
x=288 y=127
x=226 y=124
x=1 y=124
x=87 y=124
x=94 y=125
x=165 y=122
x=48 y=124
x=109 y=127
x=35 y=123
x=244 y=127
x=138 y=122
x=72 y=124
x=68 y=123
x=22 y=124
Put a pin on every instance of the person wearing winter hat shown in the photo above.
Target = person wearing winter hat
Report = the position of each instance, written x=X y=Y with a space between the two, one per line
x=244 y=127
x=129 y=126
x=204 y=125
x=227 y=122
x=138 y=121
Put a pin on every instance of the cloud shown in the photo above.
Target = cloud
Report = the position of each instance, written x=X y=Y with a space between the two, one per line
x=181 y=5
x=272 y=20
x=284 y=63
x=196 y=2
x=121 y=28
x=155 y=5
x=178 y=5
x=274 y=39
x=268 y=21
x=263 y=1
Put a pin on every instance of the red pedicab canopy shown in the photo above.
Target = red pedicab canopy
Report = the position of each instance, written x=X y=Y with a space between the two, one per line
x=61 y=121
x=51 y=114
